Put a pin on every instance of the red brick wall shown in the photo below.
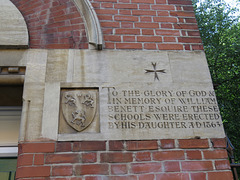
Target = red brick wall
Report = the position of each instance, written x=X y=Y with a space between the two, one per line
x=148 y=24
x=53 y=24
x=195 y=159
x=126 y=24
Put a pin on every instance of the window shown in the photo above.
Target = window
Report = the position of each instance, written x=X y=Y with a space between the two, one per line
x=10 y=116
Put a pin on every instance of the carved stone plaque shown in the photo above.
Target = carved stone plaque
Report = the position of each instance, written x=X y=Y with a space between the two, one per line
x=142 y=95
x=79 y=109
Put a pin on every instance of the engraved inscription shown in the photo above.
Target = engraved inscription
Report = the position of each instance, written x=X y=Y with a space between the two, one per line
x=79 y=108
x=162 y=109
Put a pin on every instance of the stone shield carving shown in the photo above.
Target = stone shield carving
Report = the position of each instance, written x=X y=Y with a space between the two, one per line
x=79 y=108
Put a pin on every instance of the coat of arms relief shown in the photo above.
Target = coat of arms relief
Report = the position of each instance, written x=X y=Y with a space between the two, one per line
x=79 y=107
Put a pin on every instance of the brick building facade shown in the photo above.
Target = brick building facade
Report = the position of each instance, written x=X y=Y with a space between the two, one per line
x=125 y=25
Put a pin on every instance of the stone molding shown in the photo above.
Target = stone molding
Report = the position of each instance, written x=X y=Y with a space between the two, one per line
x=12 y=75
x=92 y=23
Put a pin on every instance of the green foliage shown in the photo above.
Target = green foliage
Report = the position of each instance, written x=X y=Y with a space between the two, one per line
x=220 y=32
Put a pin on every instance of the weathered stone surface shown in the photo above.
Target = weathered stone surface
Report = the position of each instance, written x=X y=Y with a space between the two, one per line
x=57 y=66
x=36 y=66
x=115 y=67
x=176 y=101
x=189 y=68
x=32 y=113
x=13 y=57
x=142 y=95
x=13 y=29
x=51 y=94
